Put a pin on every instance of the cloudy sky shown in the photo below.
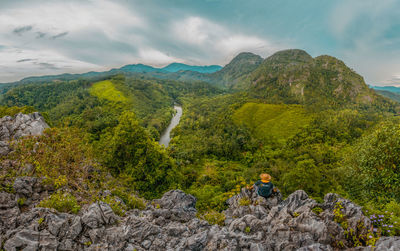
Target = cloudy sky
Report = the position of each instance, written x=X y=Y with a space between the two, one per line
x=40 y=37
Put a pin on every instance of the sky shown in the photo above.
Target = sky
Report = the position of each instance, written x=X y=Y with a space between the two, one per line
x=40 y=37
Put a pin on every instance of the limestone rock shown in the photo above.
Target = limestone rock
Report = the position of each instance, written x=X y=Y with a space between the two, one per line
x=177 y=199
x=13 y=128
x=99 y=214
x=388 y=243
x=170 y=223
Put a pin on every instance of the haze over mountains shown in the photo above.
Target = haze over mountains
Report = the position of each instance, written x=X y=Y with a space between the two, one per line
x=131 y=68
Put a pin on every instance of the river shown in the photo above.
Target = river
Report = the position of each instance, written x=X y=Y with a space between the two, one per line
x=166 y=135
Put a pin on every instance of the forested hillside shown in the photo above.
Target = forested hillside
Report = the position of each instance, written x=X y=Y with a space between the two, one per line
x=312 y=123
x=95 y=106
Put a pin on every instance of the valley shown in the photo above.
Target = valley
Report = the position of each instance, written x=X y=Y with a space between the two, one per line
x=137 y=135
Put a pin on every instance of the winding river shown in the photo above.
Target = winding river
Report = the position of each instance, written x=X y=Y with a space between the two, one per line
x=166 y=135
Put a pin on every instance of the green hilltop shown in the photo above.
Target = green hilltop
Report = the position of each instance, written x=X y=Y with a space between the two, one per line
x=272 y=121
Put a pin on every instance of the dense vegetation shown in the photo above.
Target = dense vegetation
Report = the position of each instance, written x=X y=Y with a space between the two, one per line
x=312 y=123
x=97 y=106
x=268 y=121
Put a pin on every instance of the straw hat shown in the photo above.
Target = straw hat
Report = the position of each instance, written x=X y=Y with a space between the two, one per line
x=265 y=177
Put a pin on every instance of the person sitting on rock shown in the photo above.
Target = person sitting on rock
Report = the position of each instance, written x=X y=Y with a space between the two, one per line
x=264 y=187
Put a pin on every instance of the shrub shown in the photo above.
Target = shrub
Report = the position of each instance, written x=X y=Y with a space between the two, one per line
x=130 y=200
x=244 y=201
x=317 y=210
x=386 y=220
x=21 y=201
x=64 y=158
x=116 y=205
x=359 y=236
x=6 y=187
x=11 y=111
x=40 y=221
x=62 y=202
x=134 y=202
x=213 y=217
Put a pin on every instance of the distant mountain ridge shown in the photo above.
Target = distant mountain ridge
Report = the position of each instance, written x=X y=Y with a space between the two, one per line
x=176 y=67
x=387 y=88
x=131 y=68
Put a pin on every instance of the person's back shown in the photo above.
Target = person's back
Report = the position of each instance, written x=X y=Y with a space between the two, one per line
x=264 y=187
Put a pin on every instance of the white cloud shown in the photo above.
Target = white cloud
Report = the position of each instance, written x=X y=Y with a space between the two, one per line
x=239 y=43
x=68 y=16
x=198 y=31
x=359 y=28
x=23 y=62
x=218 y=41
x=347 y=12
x=52 y=32
x=156 y=57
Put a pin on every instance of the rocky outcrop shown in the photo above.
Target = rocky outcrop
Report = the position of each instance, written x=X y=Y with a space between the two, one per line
x=13 y=128
x=170 y=223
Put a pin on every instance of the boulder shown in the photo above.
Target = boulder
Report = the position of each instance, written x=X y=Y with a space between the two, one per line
x=388 y=243
x=9 y=212
x=99 y=214
x=13 y=128
x=24 y=186
x=177 y=199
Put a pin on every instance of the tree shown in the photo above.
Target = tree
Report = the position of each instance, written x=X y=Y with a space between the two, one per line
x=375 y=162
x=129 y=150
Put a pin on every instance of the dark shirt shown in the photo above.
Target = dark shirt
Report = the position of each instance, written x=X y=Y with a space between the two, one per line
x=264 y=188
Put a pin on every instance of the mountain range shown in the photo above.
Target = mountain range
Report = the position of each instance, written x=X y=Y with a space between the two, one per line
x=289 y=76
x=127 y=69
x=387 y=88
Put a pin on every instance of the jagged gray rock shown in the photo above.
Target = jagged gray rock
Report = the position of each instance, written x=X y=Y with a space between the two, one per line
x=388 y=243
x=13 y=128
x=99 y=214
x=170 y=223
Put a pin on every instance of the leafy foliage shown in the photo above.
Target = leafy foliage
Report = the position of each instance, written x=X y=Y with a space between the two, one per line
x=11 y=111
x=213 y=217
x=376 y=162
x=129 y=149
x=62 y=202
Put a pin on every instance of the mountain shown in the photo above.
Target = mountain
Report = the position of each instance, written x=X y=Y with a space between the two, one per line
x=391 y=95
x=241 y=65
x=293 y=76
x=173 y=68
x=176 y=67
x=387 y=88
x=136 y=68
